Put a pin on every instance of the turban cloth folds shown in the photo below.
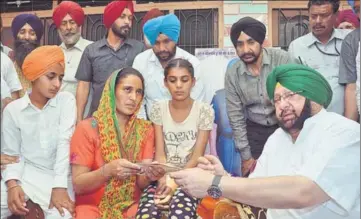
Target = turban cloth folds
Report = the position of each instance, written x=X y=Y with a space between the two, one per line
x=71 y=8
x=168 y=25
x=348 y=16
x=300 y=78
x=22 y=19
x=249 y=26
x=153 y=13
x=40 y=60
x=113 y=11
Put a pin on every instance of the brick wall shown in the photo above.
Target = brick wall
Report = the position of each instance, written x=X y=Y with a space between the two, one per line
x=236 y=9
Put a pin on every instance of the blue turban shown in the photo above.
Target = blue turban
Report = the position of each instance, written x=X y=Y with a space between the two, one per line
x=168 y=25
x=22 y=19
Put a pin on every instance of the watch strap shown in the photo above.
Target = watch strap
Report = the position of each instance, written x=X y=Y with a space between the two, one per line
x=216 y=180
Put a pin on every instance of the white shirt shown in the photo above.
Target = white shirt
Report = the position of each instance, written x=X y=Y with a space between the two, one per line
x=41 y=137
x=149 y=66
x=327 y=151
x=72 y=58
x=5 y=90
x=358 y=78
x=5 y=49
x=9 y=74
x=328 y=65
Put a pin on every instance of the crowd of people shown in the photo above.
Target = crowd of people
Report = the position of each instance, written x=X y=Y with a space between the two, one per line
x=119 y=128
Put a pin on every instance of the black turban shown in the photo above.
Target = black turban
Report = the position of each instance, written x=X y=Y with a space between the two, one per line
x=251 y=27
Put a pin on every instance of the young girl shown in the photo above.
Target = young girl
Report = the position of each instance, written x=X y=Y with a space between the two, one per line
x=182 y=126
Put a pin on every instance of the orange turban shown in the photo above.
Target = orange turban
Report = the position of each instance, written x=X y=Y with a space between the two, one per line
x=113 y=11
x=40 y=60
x=71 y=8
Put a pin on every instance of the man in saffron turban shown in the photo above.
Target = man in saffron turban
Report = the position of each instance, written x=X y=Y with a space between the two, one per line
x=38 y=130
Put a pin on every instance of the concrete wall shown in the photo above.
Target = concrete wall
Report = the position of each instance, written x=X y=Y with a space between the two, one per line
x=236 y=9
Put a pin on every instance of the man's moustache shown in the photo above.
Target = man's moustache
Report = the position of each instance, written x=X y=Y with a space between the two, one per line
x=247 y=54
x=284 y=111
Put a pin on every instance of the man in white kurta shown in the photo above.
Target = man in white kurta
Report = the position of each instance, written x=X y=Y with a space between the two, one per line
x=310 y=166
x=10 y=76
x=38 y=128
x=327 y=152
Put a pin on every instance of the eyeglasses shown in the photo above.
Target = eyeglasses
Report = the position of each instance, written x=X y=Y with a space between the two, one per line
x=285 y=97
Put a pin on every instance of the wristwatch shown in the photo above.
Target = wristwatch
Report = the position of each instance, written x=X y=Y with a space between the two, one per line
x=214 y=191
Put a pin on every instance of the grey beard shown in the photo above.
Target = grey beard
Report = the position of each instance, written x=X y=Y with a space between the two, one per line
x=69 y=40
x=300 y=121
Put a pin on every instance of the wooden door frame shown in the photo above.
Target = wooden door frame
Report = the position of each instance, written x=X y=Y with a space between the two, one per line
x=171 y=7
x=288 y=5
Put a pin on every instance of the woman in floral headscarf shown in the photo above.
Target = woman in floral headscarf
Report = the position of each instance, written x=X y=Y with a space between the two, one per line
x=106 y=147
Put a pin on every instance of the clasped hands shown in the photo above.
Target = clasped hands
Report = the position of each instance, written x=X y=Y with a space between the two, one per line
x=123 y=169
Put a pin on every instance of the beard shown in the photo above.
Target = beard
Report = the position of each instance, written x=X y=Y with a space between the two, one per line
x=165 y=56
x=22 y=48
x=300 y=120
x=246 y=57
x=121 y=32
x=69 y=38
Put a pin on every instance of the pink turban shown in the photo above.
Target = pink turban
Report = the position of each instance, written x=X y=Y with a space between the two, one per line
x=113 y=11
x=71 y=8
x=348 y=16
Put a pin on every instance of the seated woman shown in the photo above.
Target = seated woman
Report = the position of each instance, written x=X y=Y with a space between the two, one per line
x=106 y=147
x=182 y=126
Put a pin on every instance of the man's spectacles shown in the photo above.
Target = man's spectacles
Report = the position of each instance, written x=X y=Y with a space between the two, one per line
x=285 y=97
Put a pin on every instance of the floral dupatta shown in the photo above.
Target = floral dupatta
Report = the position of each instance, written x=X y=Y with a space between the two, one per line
x=119 y=194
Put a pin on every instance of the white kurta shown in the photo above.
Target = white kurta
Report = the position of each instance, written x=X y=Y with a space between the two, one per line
x=9 y=74
x=41 y=138
x=358 y=78
x=72 y=59
x=327 y=151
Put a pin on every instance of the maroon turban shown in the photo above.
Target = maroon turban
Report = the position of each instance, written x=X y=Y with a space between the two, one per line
x=71 y=8
x=348 y=16
x=113 y=11
x=153 y=13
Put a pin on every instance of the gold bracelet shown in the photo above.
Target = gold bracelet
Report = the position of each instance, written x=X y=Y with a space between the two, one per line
x=8 y=189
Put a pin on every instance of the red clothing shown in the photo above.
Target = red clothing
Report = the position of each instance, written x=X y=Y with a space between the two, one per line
x=85 y=151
